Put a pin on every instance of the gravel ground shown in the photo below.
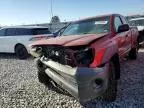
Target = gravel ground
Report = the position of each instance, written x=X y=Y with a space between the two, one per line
x=19 y=87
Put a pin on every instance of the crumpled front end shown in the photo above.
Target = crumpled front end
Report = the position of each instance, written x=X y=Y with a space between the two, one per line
x=70 y=69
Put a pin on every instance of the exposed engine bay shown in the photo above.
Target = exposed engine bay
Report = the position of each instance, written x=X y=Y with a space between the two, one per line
x=72 y=56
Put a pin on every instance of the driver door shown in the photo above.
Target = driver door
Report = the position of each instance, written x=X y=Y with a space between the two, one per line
x=120 y=37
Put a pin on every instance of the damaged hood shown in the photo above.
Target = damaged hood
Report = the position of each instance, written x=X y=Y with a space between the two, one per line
x=73 y=40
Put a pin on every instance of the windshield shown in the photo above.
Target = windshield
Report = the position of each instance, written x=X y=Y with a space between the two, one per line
x=137 y=22
x=91 y=26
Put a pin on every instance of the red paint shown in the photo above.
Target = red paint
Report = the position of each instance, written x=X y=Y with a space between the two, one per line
x=98 y=58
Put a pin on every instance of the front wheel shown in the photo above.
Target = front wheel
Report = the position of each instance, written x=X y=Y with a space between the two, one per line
x=42 y=76
x=21 y=52
x=111 y=91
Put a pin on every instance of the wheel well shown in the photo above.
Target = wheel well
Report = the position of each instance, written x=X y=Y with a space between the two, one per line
x=116 y=61
x=18 y=44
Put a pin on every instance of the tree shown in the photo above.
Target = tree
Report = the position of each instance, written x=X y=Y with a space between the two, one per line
x=55 y=19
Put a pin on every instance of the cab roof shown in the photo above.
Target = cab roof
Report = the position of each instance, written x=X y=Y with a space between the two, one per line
x=89 y=18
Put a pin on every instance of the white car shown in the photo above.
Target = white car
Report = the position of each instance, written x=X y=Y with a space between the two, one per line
x=139 y=23
x=17 y=39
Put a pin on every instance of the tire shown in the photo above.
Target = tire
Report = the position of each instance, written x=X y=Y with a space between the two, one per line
x=138 y=43
x=133 y=53
x=21 y=52
x=111 y=91
x=42 y=76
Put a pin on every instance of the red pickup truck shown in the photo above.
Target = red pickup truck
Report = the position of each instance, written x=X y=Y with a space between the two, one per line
x=85 y=59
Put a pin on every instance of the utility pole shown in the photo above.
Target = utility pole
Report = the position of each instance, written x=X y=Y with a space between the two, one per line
x=51 y=12
x=51 y=8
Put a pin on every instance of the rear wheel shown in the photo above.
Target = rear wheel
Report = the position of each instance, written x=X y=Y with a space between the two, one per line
x=133 y=53
x=111 y=91
x=21 y=52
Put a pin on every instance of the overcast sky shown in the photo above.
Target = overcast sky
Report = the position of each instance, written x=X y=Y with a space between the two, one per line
x=16 y=12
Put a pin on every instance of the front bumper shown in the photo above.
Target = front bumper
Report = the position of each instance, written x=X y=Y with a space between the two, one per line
x=83 y=83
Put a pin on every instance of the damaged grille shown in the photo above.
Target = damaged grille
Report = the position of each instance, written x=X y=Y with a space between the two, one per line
x=59 y=54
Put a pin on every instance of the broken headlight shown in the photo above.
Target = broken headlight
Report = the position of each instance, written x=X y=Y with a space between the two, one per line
x=36 y=51
x=85 y=57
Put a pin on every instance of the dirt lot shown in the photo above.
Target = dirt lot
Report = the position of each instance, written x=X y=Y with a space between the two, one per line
x=19 y=86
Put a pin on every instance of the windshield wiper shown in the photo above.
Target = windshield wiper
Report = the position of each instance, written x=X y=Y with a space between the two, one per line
x=84 y=33
x=78 y=34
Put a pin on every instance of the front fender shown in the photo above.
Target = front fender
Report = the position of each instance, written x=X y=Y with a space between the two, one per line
x=111 y=50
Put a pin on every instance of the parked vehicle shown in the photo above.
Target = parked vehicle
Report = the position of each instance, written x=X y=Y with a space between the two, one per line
x=139 y=23
x=85 y=59
x=16 y=39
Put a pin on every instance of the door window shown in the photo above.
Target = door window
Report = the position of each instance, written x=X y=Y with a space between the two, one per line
x=2 y=32
x=117 y=23
x=23 y=31
x=124 y=20
x=11 y=32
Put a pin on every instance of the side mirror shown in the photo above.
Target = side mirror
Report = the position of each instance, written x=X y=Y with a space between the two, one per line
x=123 y=28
